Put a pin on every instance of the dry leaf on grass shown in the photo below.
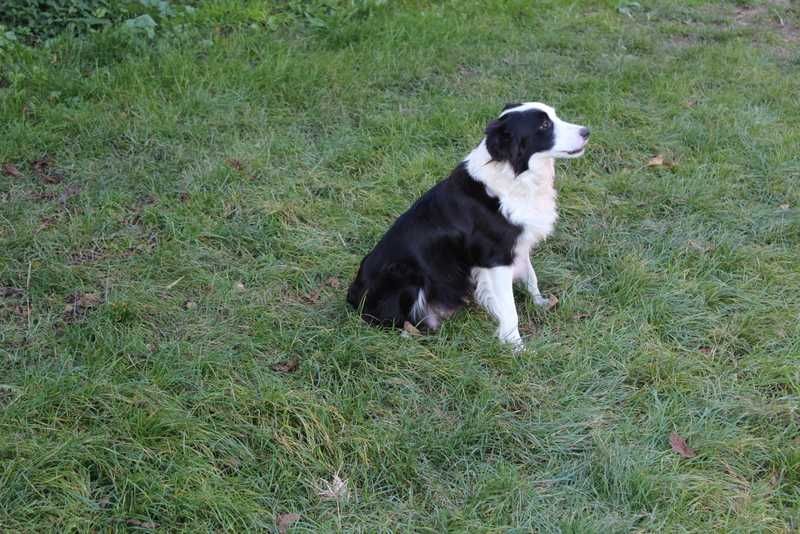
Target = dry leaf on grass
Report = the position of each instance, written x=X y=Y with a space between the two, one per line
x=42 y=168
x=42 y=195
x=79 y=303
x=679 y=445
x=284 y=521
x=312 y=296
x=189 y=305
x=238 y=286
x=659 y=161
x=410 y=330
x=238 y=166
x=23 y=312
x=336 y=489
x=11 y=170
x=287 y=366
x=334 y=282
x=234 y=164
x=149 y=525
x=580 y=315
x=46 y=223
x=784 y=207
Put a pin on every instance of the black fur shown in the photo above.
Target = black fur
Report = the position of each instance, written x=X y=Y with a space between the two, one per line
x=451 y=229
x=434 y=246
x=515 y=137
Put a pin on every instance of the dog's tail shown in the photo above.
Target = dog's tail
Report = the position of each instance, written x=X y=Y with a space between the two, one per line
x=389 y=301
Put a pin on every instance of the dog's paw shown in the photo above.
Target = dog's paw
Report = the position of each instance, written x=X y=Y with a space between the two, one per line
x=513 y=339
x=547 y=303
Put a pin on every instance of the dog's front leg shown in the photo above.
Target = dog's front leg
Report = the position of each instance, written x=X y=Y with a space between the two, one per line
x=495 y=292
x=532 y=285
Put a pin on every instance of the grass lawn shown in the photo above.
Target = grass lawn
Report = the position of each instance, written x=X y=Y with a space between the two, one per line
x=207 y=196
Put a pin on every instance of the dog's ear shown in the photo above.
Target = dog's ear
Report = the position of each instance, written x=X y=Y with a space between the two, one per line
x=503 y=145
x=498 y=140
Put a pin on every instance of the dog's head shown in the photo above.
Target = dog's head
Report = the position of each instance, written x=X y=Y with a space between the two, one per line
x=532 y=130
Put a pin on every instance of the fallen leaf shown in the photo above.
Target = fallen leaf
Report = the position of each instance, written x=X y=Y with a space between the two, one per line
x=149 y=525
x=336 y=489
x=46 y=223
x=285 y=521
x=42 y=167
x=11 y=170
x=784 y=207
x=410 y=329
x=54 y=177
x=86 y=256
x=84 y=300
x=235 y=164
x=12 y=292
x=43 y=195
x=287 y=366
x=80 y=303
x=690 y=103
x=239 y=286
x=581 y=315
x=312 y=296
x=706 y=350
x=679 y=445
x=22 y=311
x=189 y=305
x=334 y=282
x=659 y=161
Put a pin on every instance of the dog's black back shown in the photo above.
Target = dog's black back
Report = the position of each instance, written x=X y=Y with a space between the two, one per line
x=433 y=247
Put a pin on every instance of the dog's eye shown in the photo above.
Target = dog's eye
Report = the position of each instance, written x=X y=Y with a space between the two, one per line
x=545 y=125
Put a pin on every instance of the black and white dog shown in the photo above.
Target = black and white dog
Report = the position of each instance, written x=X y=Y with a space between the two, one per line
x=472 y=233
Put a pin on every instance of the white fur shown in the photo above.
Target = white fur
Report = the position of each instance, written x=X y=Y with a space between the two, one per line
x=494 y=291
x=528 y=200
x=429 y=315
x=569 y=142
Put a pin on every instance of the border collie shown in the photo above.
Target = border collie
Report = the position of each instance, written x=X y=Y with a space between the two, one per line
x=472 y=233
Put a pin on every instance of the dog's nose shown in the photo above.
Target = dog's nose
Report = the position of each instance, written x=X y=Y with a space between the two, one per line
x=584 y=132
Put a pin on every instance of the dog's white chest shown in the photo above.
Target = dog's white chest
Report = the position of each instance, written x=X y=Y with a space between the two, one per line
x=530 y=202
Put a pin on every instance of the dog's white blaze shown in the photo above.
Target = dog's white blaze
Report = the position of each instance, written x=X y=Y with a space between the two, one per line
x=530 y=105
x=567 y=135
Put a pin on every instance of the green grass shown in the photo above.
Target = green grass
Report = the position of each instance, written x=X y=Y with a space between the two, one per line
x=233 y=175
